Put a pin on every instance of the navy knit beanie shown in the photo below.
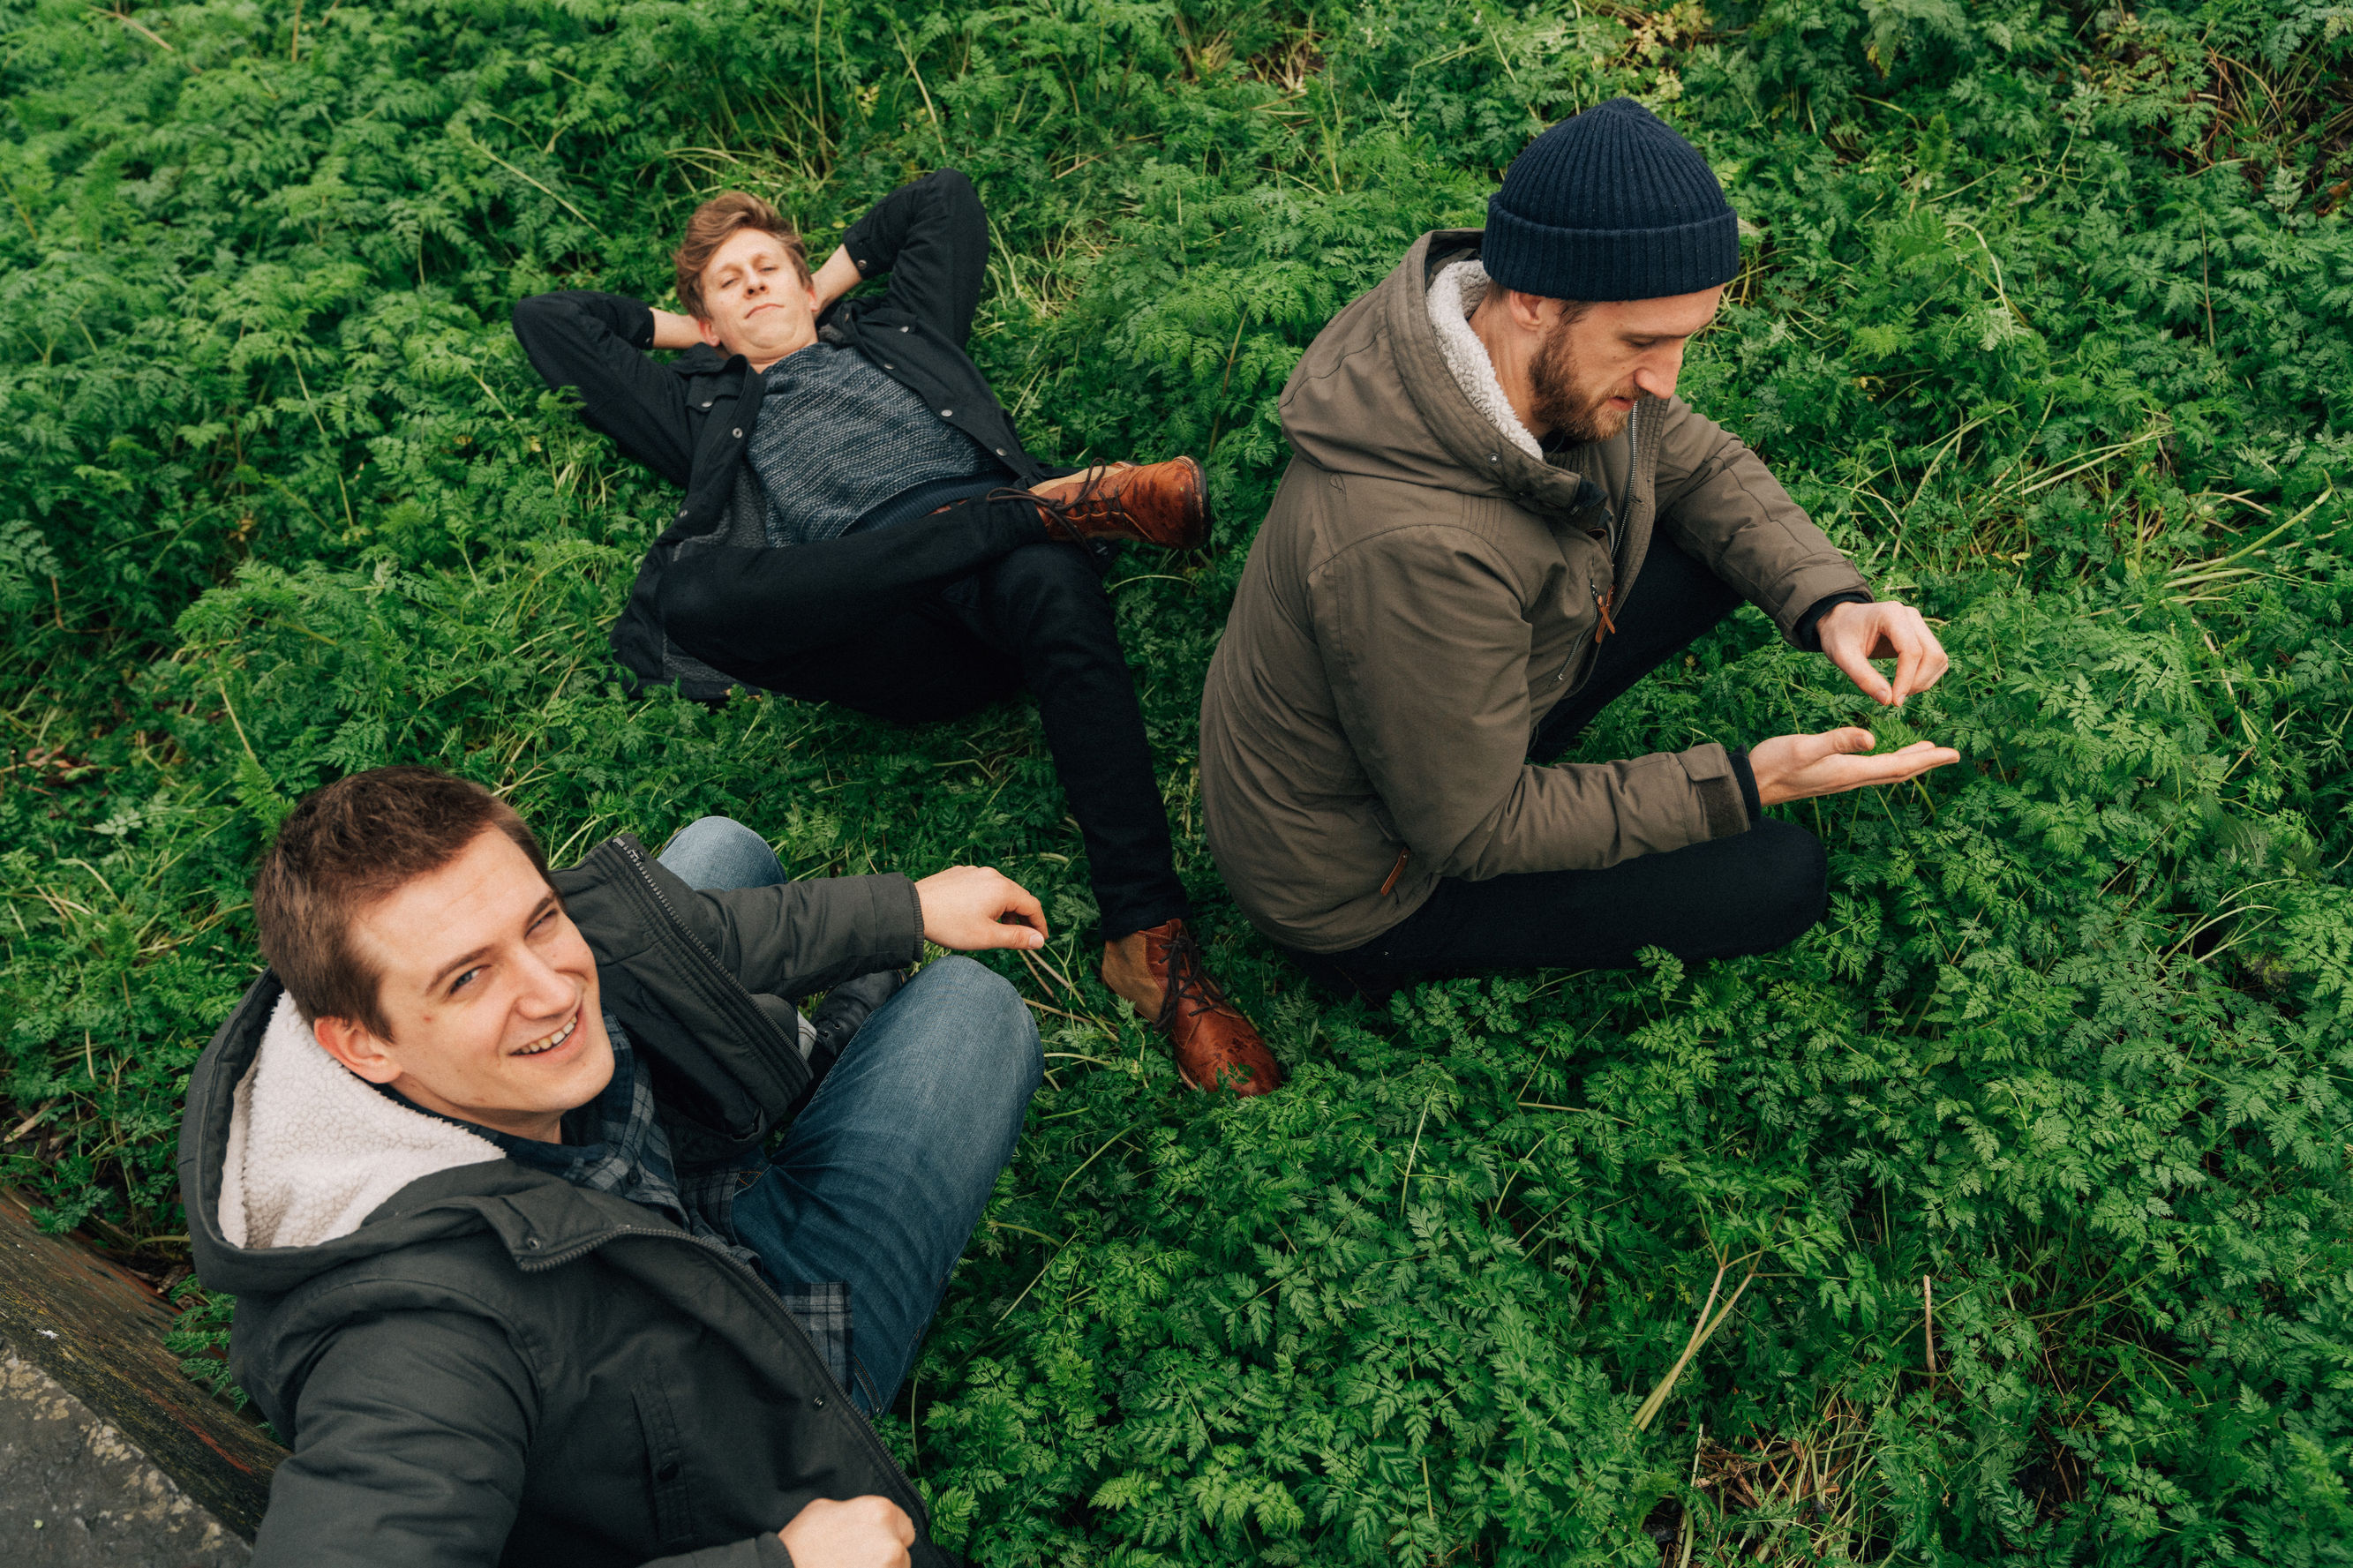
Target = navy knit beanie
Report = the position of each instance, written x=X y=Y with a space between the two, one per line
x=1611 y=204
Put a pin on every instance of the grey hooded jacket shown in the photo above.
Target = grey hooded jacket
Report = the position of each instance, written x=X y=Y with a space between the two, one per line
x=500 y=1367
x=1421 y=594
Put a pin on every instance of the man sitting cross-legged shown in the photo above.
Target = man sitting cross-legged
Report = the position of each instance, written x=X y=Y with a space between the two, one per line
x=861 y=525
x=482 y=1158
x=1498 y=517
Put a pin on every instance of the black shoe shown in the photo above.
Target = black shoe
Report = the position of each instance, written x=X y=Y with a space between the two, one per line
x=844 y=1012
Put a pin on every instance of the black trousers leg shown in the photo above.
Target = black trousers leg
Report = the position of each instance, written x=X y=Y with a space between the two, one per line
x=916 y=667
x=1044 y=608
x=1728 y=898
x=1753 y=892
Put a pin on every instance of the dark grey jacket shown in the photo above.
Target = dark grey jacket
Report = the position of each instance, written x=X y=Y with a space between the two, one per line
x=500 y=1367
x=691 y=420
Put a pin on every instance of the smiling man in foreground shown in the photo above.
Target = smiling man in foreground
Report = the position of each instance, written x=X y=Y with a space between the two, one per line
x=1497 y=517
x=484 y=1159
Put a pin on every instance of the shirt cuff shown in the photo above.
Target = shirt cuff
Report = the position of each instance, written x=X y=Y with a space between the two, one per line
x=638 y=331
x=1807 y=632
x=1747 y=776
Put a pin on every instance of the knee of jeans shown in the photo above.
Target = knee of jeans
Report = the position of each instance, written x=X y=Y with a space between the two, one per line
x=719 y=852
x=1006 y=1054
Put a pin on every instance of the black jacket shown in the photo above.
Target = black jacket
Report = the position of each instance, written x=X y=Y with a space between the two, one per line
x=500 y=1367
x=688 y=420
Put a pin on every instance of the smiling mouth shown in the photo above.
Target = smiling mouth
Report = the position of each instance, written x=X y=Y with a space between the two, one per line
x=540 y=1047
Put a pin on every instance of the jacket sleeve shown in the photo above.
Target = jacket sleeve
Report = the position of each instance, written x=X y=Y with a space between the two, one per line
x=932 y=238
x=1718 y=501
x=411 y=1434
x=798 y=937
x=1435 y=706
x=599 y=343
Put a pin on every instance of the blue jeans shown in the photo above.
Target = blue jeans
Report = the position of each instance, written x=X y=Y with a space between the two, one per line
x=886 y=1170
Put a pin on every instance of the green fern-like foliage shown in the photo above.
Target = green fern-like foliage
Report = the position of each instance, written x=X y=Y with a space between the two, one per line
x=2006 y=1215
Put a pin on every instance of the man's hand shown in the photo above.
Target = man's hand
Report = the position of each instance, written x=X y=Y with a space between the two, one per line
x=1799 y=767
x=864 y=1532
x=971 y=906
x=1853 y=634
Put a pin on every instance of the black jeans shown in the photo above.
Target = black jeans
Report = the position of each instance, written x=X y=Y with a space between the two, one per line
x=1753 y=892
x=947 y=614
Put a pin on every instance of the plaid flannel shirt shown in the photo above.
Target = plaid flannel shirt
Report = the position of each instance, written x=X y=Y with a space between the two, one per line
x=615 y=1143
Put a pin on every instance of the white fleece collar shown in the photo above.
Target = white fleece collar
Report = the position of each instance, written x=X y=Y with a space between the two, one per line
x=313 y=1150
x=1454 y=293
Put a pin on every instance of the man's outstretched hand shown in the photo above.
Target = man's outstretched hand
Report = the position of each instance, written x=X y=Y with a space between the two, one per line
x=1799 y=767
x=864 y=1532
x=971 y=906
x=1853 y=634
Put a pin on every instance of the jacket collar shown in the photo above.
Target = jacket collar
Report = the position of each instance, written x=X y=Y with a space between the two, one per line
x=1469 y=436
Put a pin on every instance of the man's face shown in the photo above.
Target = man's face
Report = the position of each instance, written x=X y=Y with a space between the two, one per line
x=1592 y=368
x=490 y=992
x=753 y=301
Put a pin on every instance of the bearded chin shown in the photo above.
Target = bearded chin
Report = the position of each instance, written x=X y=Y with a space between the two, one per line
x=1575 y=417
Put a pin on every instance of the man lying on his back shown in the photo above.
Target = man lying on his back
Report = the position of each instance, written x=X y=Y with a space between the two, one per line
x=862 y=526
x=481 y=1158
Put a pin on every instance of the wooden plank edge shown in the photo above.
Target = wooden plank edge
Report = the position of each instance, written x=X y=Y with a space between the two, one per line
x=99 y=1330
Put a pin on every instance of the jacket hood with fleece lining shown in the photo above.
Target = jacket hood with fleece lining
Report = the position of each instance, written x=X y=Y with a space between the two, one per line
x=253 y=1141
x=312 y=1150
x=1389 y=391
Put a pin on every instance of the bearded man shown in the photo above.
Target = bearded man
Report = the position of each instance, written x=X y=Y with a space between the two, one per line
x=860 y=525
x=1497 y=517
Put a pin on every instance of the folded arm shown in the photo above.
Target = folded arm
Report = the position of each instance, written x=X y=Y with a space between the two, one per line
x=597 y=343
x=1434 y=701
x=932 y=238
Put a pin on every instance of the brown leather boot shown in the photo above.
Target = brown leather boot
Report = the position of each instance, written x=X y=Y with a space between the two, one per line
x=1166 y=504
x=1215 y=1045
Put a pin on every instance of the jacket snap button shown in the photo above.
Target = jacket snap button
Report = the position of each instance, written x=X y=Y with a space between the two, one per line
x=1000 y=451
x=709 y=401
x=946 y=413
x=530 y=1244
x=890 y=367
x=902 y=329
x=738 y=433
x=1492 y=457
x=819 y=1403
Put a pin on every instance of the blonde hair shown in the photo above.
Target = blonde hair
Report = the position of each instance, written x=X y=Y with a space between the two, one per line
x=714 y=223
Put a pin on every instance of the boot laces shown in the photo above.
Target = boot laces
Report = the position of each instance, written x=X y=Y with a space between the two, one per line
x=1188 y=981
x=1094 y=501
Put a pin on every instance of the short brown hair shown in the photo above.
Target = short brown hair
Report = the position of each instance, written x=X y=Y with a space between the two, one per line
x=711 y=226
x=347 y=844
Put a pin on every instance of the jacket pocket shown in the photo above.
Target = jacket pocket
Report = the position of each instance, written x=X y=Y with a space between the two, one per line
x=669 y=1486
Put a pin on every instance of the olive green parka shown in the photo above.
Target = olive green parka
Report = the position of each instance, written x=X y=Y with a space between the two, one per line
x=1422 y=594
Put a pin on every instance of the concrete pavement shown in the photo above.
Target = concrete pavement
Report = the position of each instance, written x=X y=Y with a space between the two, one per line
x=74 y=1492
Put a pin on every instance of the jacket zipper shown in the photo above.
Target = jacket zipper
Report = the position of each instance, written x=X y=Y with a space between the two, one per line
x=693 y=941
x=766 y=1300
